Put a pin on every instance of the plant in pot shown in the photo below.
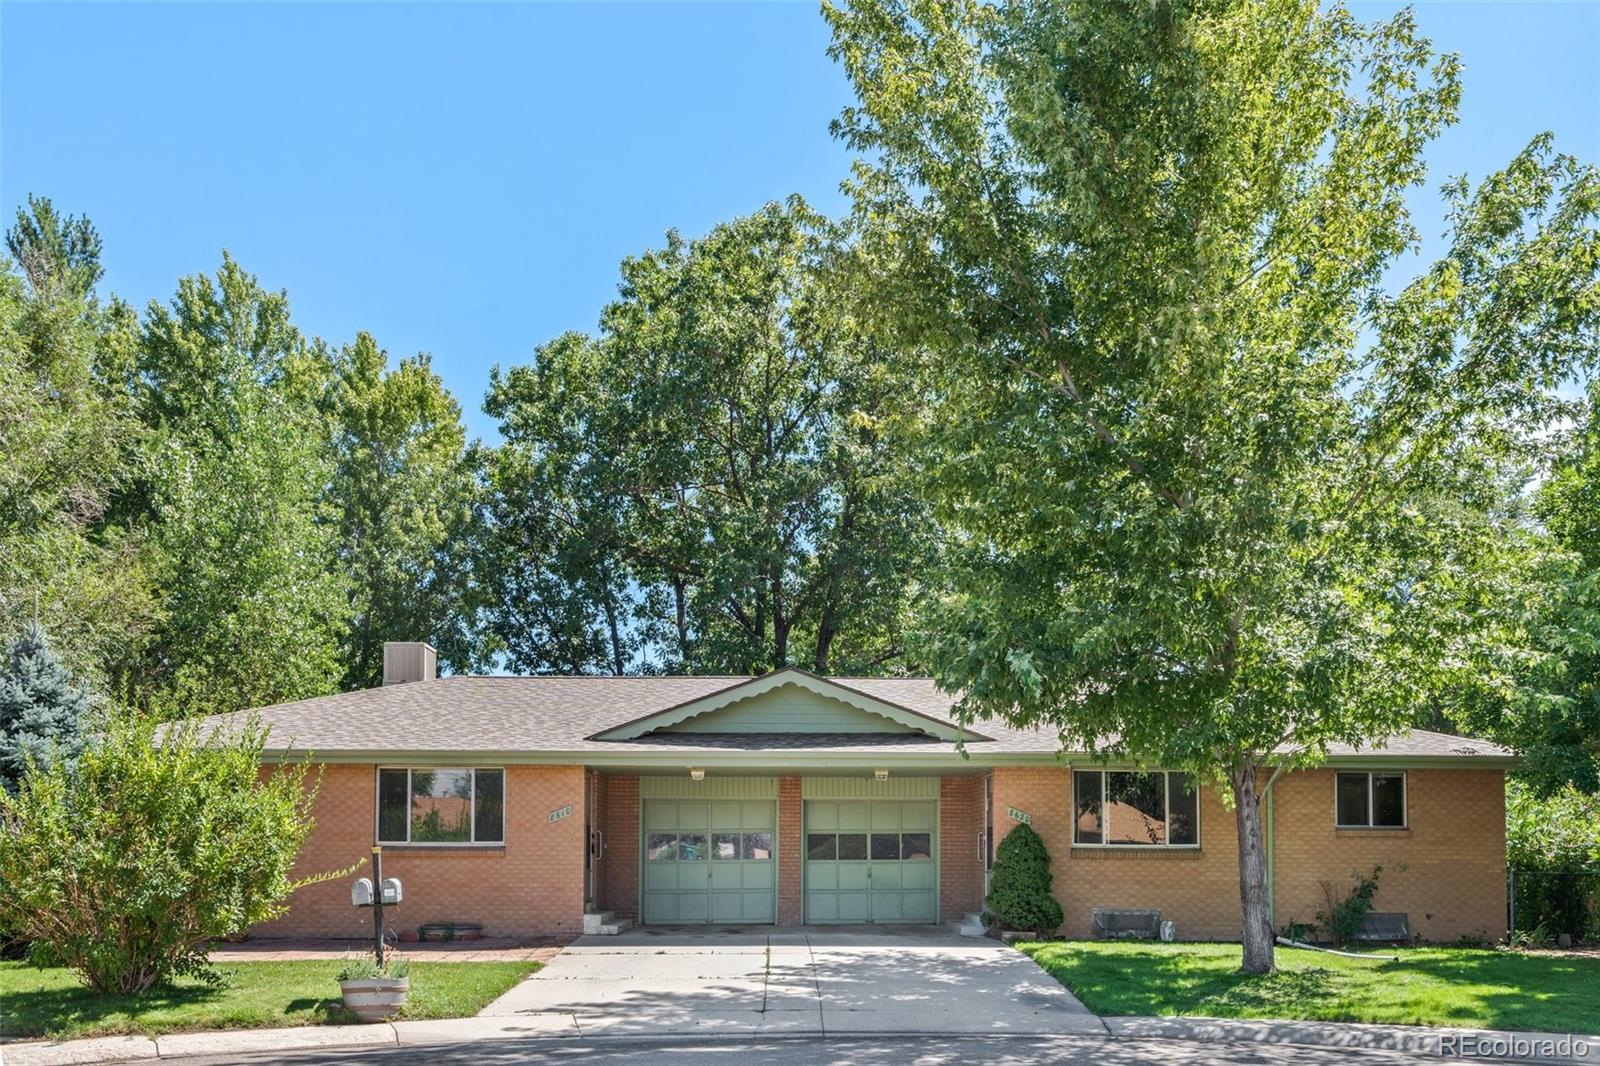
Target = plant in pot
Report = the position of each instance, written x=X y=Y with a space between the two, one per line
x=1019 y=887
x=372 y=992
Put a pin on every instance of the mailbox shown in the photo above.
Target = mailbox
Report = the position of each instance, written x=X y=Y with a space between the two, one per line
x=391 y=890
x=361 y=893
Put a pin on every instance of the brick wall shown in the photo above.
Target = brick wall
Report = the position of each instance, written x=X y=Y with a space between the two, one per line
x=960 y=862
x=619 y=869
x=532 y=886
x=790 y=851
x=1453 y=883
x=1447 y=869
x=599 y=787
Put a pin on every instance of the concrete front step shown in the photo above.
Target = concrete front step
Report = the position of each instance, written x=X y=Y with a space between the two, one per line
x=604 y=923
x=969 y=925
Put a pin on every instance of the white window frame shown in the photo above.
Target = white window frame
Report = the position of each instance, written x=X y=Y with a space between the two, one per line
x=377 y=808
x=1105 y=787
x=1405 y=801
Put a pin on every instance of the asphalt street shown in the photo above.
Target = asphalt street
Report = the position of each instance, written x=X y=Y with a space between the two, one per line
x=894 y=1051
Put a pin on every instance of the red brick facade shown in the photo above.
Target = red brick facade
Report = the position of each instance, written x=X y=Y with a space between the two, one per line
x=1446 y=869
x=960 y=847
x=532 y=885
x=790 y=851
x=618 y=819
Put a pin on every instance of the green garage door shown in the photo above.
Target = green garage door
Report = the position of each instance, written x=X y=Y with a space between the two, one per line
x=709 y=861
x=870 y=861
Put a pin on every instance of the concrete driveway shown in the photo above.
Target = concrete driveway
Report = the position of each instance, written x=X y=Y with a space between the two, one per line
x=812 y=981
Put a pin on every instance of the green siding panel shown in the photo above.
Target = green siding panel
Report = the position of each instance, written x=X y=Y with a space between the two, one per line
x=789 y=709
x=683 y=786
x=866 y=787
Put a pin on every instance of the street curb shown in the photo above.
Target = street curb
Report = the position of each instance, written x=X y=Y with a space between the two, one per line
x=1434 y=1041
x=181 y=1045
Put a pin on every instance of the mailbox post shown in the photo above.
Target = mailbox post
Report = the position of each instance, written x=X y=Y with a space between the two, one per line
x=377 y=904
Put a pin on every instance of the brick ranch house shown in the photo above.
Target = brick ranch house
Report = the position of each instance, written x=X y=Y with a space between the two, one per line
x=523 y=803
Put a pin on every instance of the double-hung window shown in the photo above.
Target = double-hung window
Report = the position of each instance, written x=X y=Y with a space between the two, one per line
x=1125 y=808
x=1369 y=800
x=441 y=805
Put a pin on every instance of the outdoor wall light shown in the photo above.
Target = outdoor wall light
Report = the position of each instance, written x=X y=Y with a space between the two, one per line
x=880 y=775
x=696 y=774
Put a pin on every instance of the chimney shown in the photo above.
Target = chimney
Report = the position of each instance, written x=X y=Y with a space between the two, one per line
x=409 y=660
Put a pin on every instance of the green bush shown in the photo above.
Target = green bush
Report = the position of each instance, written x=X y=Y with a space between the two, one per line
x=1342 y=920
x=1019 y=889
x=367 y=969
x=1553 y=849
x=126 y=864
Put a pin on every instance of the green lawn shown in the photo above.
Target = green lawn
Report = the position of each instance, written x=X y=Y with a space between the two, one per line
x=54 y=1003
x=1465 y=987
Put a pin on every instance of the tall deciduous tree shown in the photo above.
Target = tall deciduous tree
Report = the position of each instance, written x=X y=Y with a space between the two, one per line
x=718 y=480
x=1219 y=498
x=403 y=488
x=238 y=469
x=66 y=436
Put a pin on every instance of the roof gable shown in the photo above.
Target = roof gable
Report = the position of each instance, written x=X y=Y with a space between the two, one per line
x=788 y=701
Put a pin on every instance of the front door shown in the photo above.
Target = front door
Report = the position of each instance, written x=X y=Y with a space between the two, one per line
x=709 y=861
x=870 y=861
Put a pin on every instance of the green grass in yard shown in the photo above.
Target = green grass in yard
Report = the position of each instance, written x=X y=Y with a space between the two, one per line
x=1466 y=987
x=54 y=1003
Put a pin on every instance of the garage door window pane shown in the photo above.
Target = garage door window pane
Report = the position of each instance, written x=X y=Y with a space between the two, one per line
x=441 y=806
x=724 y=845
x=852 y=846
x=886 y=846
x=757 y=846
x=916 y=847
x=661 y=847
x=691 y=847
x=822 y=846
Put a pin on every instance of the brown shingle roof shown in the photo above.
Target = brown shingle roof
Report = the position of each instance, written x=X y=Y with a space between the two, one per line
x=530 y=716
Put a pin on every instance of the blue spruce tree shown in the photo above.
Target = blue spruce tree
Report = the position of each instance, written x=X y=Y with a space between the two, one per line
x=41 y=711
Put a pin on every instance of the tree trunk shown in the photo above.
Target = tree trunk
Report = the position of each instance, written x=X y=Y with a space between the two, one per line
x=618 y=661
x=681 y=612
x=824 y=638
x=1258 y=953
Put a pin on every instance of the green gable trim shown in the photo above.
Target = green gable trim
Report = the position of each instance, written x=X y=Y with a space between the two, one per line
x=873 y=714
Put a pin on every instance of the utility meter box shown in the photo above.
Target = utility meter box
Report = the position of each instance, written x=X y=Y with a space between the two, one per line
x=361 y=893
x=391 y=890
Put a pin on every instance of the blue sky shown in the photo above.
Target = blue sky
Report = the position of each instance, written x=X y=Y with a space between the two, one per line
x=463 y=180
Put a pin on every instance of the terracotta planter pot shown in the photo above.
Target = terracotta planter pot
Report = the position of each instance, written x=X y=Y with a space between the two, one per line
x=376 y=998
